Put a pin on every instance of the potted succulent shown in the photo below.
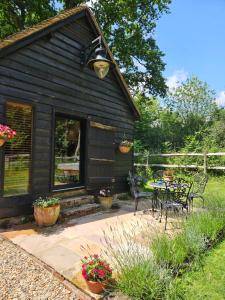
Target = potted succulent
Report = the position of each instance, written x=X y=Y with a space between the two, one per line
x=125 y=146
x=46 y=210
x=105 y=198
x=96 y=272
x=6 y=133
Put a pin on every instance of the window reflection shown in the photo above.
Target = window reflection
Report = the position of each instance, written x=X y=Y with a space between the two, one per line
x=67 y=151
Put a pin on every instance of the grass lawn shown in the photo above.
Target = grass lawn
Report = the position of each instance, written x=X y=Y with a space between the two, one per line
x=208 y=281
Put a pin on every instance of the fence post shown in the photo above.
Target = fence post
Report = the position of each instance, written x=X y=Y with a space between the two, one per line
x=205 y=162
x=147 y=162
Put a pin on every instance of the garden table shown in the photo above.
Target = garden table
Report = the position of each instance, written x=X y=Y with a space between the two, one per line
x=163 y=185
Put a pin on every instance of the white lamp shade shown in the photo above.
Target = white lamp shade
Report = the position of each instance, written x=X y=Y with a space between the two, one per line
x=101 y=68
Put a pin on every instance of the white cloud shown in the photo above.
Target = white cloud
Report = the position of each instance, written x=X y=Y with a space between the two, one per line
x=220 y=99
x=176 y=79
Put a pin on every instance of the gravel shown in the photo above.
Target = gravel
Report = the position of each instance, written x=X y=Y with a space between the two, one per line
x=22 y=278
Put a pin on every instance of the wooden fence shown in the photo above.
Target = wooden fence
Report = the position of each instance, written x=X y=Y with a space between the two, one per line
x=205 y=156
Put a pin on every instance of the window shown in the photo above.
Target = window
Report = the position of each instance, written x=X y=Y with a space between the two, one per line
x=18 y=150
x=67 y=151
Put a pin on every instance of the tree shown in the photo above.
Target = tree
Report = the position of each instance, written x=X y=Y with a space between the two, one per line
x=128 y=26
x=16 y=15
x=193 y=100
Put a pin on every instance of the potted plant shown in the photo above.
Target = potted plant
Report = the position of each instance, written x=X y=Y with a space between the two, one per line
x=6 y=133
x=125 y=146
x=96 y=272
x=168 y=175
x=105 y=198
x=46 y=210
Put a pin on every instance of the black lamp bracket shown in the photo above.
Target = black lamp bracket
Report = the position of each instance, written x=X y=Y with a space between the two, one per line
x=87 y=51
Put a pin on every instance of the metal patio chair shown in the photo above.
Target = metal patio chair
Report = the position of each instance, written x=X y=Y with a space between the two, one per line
x=158 y=175
x=174 y=197
x=198 y=187
x=134 y=183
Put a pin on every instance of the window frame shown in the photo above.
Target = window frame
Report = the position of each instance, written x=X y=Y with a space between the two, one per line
x=4 y=121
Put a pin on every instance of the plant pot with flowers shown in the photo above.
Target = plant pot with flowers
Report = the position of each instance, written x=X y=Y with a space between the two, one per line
x=46 y=211
x=6 y=133
x=168 y=175
x=125 y=146
x=96 y=272
x=105 y=198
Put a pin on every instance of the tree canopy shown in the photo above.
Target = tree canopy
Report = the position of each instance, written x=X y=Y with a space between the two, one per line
x=128 y=26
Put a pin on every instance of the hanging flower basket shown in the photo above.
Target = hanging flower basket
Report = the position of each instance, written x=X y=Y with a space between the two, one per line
x=125 y=146
x=6 y=133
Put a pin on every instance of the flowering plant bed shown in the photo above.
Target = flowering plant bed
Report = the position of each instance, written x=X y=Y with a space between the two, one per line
x=6 y=133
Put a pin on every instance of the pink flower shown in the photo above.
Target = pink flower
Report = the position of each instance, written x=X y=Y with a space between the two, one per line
x=101 y=273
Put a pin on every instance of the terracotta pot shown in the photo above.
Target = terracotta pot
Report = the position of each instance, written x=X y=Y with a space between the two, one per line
x=124 y=149
x=2 y=142
x=46 y=216
x=106 y=202
x=168 y=175
x=96 y=287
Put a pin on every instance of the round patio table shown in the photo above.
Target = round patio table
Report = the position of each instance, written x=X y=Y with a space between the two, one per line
x=161 y=185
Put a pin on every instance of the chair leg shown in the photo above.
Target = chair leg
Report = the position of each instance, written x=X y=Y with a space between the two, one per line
x=203 y=201
x=136 y=206
x=161 y=208
x=166 y=219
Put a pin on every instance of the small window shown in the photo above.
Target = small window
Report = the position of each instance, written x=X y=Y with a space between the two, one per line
x=18 y=150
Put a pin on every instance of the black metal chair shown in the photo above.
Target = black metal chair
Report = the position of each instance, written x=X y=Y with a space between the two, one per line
x=158 y=175
x=135 y=182
x=198 y=187
x=174 y=197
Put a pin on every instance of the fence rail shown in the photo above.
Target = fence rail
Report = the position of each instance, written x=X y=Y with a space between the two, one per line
x=205 y=155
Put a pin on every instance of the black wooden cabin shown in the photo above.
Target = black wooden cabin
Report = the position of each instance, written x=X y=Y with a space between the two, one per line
x=69 y=122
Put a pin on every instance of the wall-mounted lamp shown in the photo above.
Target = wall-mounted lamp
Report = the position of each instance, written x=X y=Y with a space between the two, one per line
x=100 y=63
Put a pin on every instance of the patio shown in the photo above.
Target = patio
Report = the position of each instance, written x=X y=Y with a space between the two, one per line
x=62 y=246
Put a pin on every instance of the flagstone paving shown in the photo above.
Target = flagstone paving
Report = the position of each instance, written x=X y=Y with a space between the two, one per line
x=62 y=246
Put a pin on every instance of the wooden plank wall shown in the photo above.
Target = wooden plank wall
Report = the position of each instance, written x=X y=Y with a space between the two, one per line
x=47 y=73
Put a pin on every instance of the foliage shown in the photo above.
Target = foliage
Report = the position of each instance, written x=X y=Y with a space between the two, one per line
x=46 y=202
x=17 y=15
x=192 y=99
x=107 y=192
x=143 y=281
x=193 y=285
x=128 y=27
x=94 y=268
x=199 y=232
x=126 y=143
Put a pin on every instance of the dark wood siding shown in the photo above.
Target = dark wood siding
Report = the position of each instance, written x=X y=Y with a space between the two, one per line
x=47 y=73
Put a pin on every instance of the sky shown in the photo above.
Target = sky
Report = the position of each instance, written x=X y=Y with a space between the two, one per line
x=192 y=37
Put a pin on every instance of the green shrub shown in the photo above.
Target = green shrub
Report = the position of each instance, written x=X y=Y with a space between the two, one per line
x=143 y=281
x=46 y=202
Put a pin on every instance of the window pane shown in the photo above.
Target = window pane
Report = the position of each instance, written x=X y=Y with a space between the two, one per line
x=18 y=150
x=67 y=151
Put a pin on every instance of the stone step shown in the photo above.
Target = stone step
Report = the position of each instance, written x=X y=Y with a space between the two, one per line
x=80 y=211
x=70 y=193
x=76 y=201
